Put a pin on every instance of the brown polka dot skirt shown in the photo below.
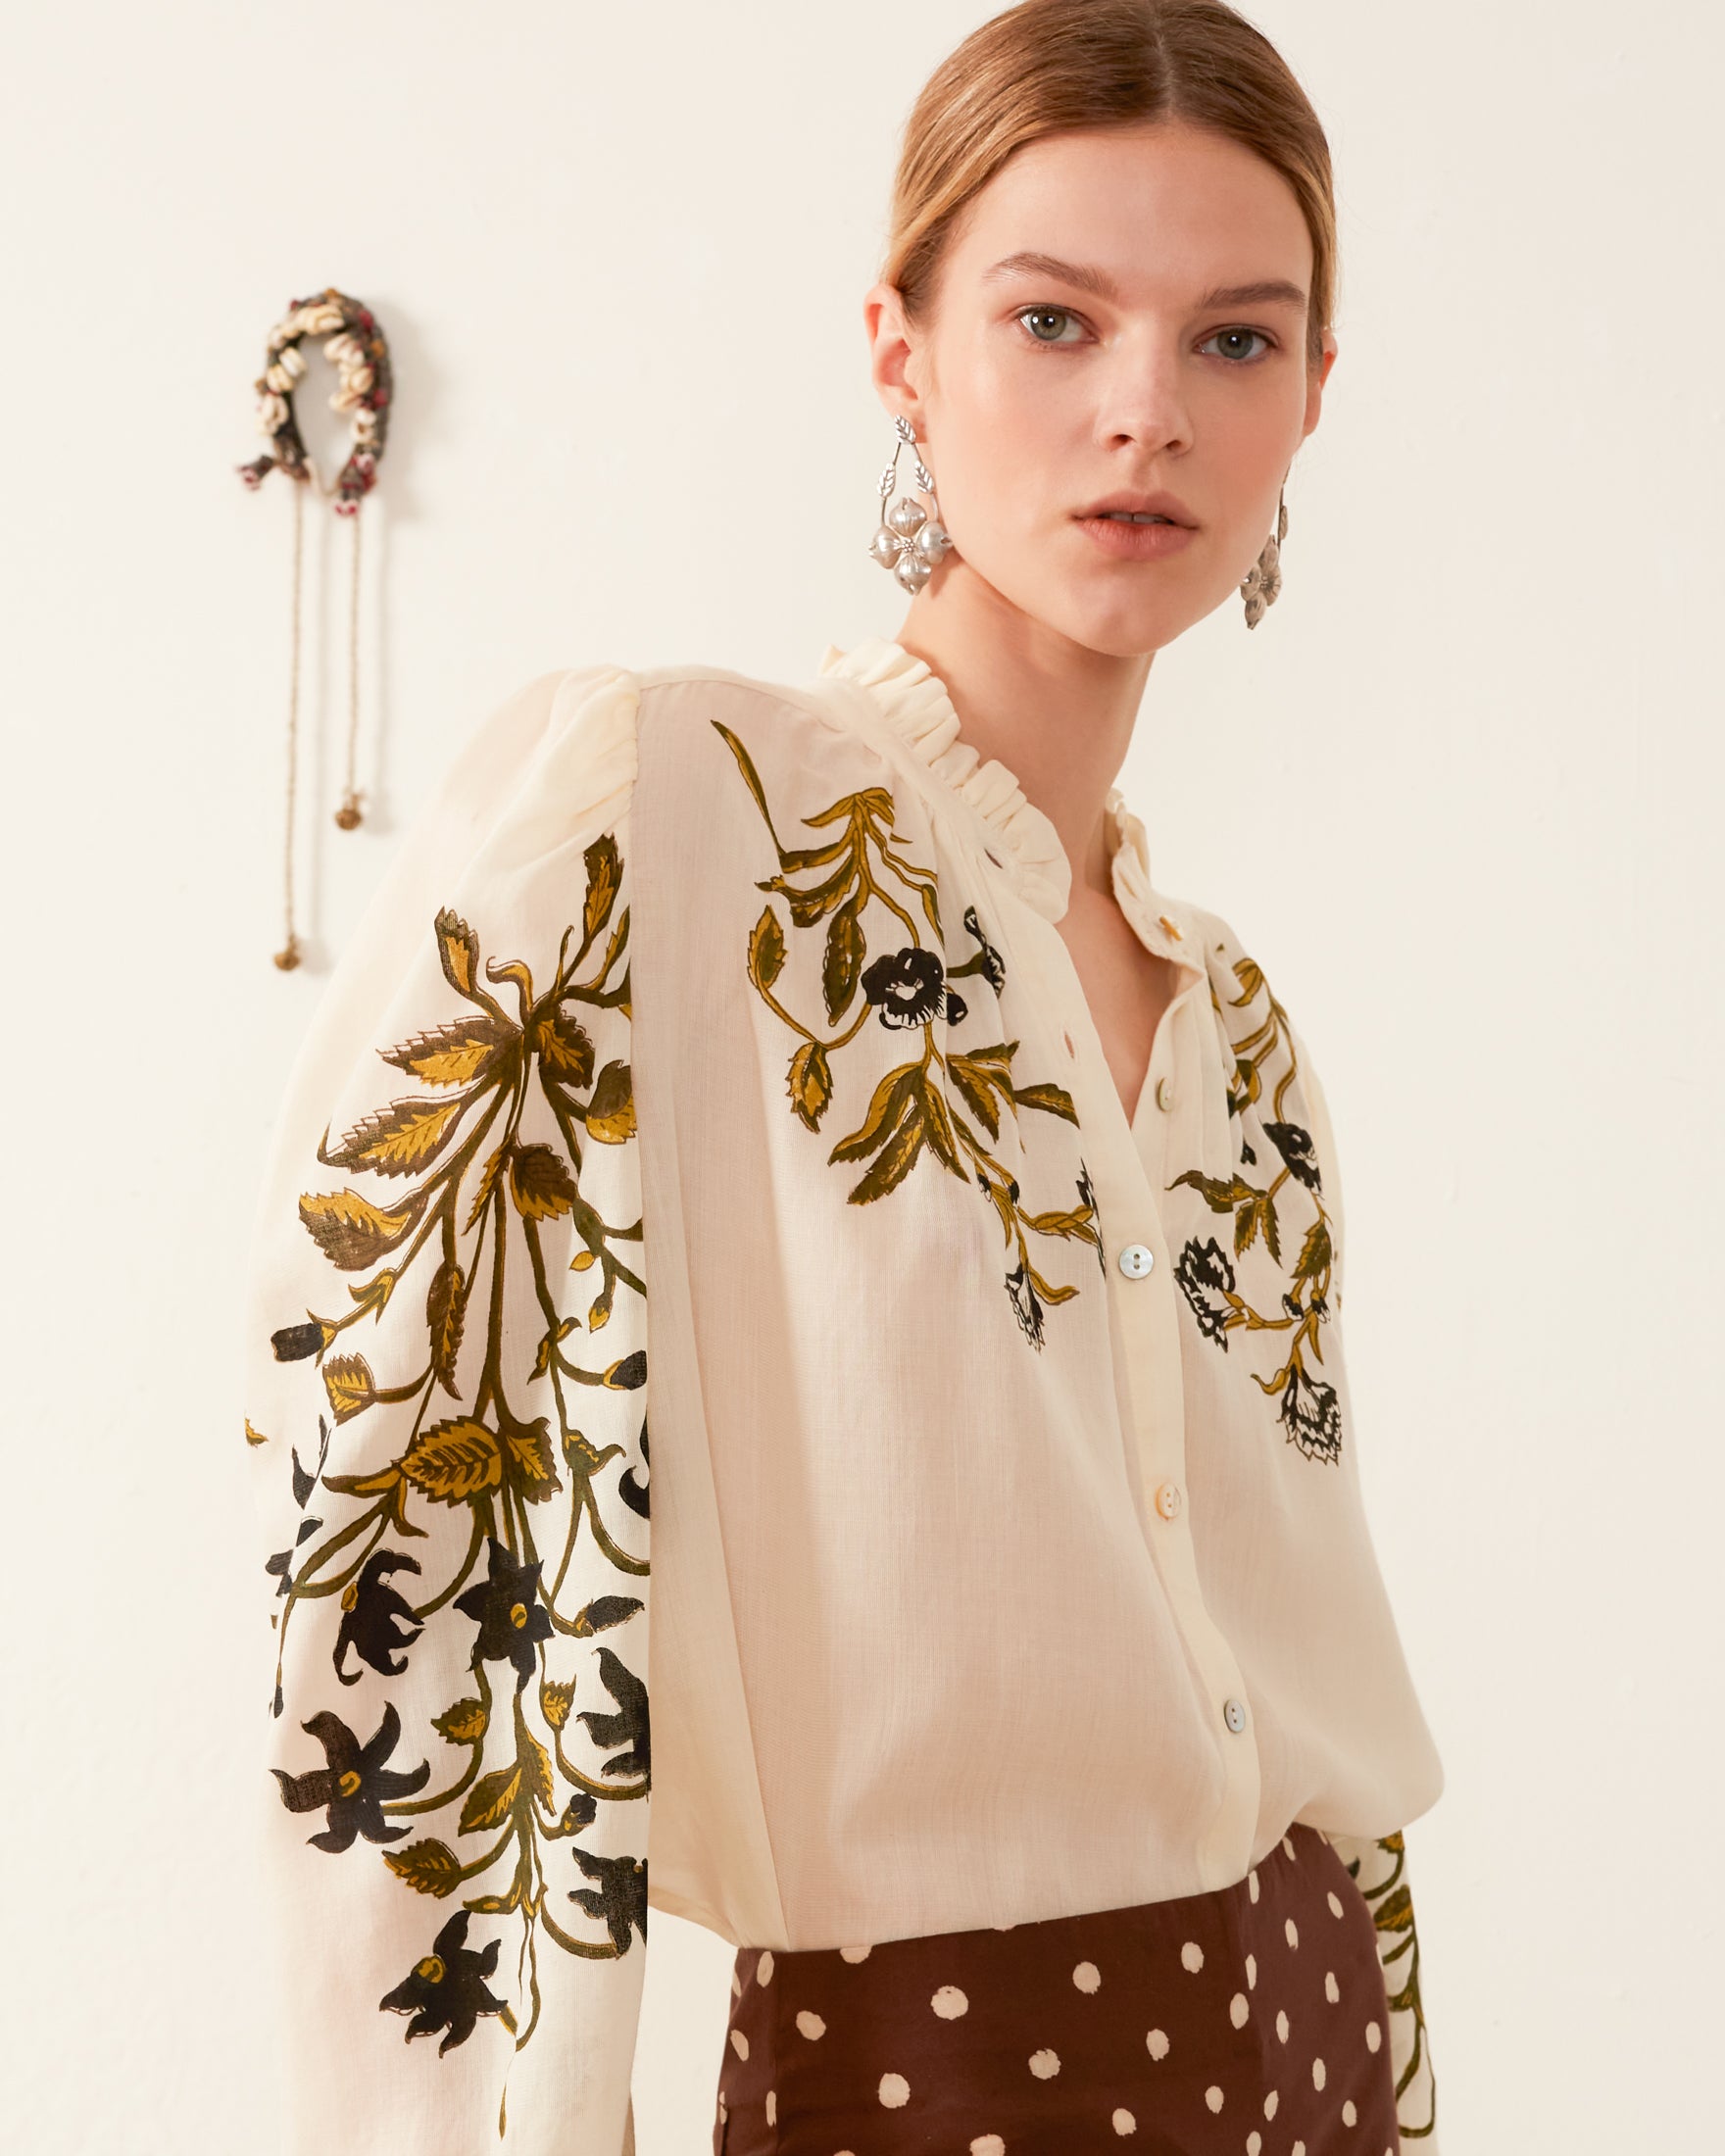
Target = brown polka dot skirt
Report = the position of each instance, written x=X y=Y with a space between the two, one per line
x=1247 y=2022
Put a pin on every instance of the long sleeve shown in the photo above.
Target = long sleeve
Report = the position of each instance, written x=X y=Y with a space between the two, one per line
x=1380 y=1866
x=444 y=1374
x=1380 y=1870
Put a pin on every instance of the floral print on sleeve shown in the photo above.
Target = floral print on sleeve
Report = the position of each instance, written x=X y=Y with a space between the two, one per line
x=1380 y=1870
x=490 y=1513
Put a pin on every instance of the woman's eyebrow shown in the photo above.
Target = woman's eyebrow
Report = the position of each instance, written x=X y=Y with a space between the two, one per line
x=1028 y=261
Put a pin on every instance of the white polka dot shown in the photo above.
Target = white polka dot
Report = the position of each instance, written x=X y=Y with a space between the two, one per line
x=1335 y=1906
x=739 y=2043
x=772 y=2107
x=1298 y=2149
x=988 y=2145
x=1156 y=2043
x=1254 y=2142
x=1252 y=1882
x=949 y=2002
x=1269 y=2104
x=1332 y=1989
x=1252 y=1972
x=763 y=1968
x=1124 y=2123
x=1238 y=2010
x=1045 y=2064
x=1374 y=2035
x=1317 y=2072
x=723 y=2114
x=1349 y=2114
x=1281 y=2025
x=811 y=2024
x=1289 y=1847
x=1192 y=1956
x=1291 y=1930
x=1087 y=1977
x=852 y=1953
x=1213 y=2096
x=893 y=2091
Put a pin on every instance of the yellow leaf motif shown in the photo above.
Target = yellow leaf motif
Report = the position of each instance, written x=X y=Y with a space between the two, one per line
x=255 y=1437
x=555 y=1701
x=766 y=950
x=462 y=1724
x=540 y=1183
x=352 y=1232
x=454 y=1460
x=536 y=1766
x=445 y=1311
x=491 y=1800
x=808 y=1082
x=604 y=877
x=429 y=1867
x=400 y=1140
x=610 y=1114
x=458 y=949
x=453 y=1055
x=565 y=1048
x=532 y=1462
x=351 y=1387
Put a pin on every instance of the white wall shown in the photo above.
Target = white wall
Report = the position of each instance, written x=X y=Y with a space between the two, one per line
x=1460 y=793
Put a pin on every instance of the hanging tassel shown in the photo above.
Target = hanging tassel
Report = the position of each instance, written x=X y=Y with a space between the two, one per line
x=360 y=352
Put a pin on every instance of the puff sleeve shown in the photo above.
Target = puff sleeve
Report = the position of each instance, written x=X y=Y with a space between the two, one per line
x=444 y=1376
x=1380 y=1867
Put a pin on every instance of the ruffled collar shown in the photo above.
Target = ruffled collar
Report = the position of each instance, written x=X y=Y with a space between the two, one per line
x=913 y=701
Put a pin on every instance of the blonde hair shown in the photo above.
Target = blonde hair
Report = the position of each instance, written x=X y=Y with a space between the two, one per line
x=1052 y=65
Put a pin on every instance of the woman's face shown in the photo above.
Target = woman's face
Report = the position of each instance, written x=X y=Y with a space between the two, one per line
x=1084 y=346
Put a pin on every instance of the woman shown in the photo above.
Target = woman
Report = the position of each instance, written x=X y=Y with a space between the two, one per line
x=815 y=1074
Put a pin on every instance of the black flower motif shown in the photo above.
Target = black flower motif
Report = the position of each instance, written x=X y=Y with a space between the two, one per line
x=376 y=1619
x=628 y=1725
x=1026 y=1303
x=447 y=1991
x=636 y=1494
x=956 y=1006
x=353 y=1782
x=1311 y=1415
x=508 y=1611
x=1206 y=1275
x=1296 y=1147
x=619 y=1900
x=905 y=986
x=994 y=970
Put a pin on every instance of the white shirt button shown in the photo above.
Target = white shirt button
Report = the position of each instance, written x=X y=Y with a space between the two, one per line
x=1165 y=1095
x=1136 y=1259
x=1169 y=1499
x=1234 y=1715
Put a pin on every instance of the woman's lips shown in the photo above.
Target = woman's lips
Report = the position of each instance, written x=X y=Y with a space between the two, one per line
x=1129 y=542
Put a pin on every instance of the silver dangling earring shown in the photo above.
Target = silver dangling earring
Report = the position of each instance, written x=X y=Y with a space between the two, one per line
x=910 y=539
x=1263 y=579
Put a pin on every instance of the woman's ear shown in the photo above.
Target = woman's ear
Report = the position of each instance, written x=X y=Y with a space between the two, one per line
x=894 y=353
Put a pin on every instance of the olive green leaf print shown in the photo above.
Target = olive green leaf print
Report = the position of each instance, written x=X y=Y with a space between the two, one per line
x=1311 y=1411
x=942 y=1102
x=1378 y=1872
x=510 y=1092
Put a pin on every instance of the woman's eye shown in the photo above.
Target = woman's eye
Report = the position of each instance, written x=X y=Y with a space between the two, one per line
x=1037 y=319
x=1236 y=336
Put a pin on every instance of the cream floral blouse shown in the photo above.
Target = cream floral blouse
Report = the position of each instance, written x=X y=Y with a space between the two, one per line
x=706 y=1134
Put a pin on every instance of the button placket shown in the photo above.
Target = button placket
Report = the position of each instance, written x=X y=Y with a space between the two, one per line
x=1128 y=1167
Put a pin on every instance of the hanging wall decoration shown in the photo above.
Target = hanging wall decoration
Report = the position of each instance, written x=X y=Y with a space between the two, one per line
x=360 y=356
